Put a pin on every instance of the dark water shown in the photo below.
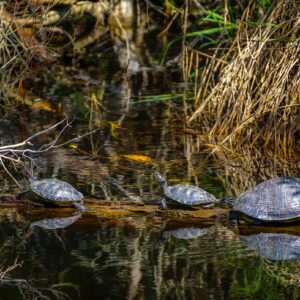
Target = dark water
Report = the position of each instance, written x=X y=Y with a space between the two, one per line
x=96 y=258
x=93 y=257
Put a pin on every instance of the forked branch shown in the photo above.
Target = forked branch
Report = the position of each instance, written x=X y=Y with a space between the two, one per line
x=17 y=153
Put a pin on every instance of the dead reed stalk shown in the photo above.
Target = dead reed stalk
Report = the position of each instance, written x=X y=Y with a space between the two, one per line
x=256 y=97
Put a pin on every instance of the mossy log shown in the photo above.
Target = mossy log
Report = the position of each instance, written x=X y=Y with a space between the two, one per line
x=136 y=216
x=104 y=209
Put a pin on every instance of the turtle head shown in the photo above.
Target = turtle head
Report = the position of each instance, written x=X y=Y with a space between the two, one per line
x=29 y=231
x=28 y=234
x=28 y=175
x=161 y=179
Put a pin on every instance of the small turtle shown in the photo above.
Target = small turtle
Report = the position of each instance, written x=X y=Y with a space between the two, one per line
x=274 y=246
x=185 y=194
x=56 y=191
x=275 y=200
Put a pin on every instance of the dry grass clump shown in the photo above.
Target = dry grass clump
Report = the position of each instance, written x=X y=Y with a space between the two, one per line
x=249 y=166
x=256 y=99
x=18 y=44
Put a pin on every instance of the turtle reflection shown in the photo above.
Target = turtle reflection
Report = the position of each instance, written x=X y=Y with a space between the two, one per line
x=52 y=223
x=274 y=246
x=187 y=233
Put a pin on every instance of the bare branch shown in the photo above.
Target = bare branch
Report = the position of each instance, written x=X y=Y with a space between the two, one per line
x=17 y=153
x=6 y=170
x=28 y=140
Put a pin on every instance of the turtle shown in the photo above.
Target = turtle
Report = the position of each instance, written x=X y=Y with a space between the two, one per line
x=274 y=200
x=56 y=191
x=184 y=194
x=274 y=246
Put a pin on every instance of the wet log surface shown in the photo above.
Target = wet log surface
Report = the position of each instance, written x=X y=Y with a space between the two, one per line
x=116 y=210
x=135 y=216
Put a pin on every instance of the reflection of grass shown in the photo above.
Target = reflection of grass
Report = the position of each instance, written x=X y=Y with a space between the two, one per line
x=256 y=278
x=265 y=280
x=253 y=277
x=252 y=283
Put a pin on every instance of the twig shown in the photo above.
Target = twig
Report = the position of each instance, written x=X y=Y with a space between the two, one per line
x=27 y=141
x=6 y=170
x=15 y=152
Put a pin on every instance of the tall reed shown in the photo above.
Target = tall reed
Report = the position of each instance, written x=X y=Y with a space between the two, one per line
x=251 y=93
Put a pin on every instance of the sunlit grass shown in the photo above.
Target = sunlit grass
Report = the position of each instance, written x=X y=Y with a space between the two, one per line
x=253 y=97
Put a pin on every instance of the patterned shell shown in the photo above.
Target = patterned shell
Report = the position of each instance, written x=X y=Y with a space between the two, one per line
x=273 y=200
x=274 y=246
x=55 y=190
x=189 y=195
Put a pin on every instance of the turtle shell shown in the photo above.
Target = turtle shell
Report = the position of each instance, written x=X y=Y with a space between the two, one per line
x=189 y=195
x=273 y=200
x=56 y=190
x=274 y=246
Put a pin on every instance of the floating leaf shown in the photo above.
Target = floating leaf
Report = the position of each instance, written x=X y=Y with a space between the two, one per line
x=73 y=146
x=42 y=104
x=138 y=158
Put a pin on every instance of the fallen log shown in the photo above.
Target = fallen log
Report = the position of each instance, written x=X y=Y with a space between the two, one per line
x=118 y=209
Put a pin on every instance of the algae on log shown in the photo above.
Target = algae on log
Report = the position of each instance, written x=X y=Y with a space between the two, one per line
x=122 y=209
x=104 y=209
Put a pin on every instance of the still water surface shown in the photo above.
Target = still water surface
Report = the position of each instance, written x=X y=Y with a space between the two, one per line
x=69 y=256
x=96 y=258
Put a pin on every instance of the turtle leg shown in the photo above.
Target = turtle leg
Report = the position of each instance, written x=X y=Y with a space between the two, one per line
x=23 y=194
x=80 y=206
x=22 y=198
x=257 y=222
x=163 y=204
x=233 y=215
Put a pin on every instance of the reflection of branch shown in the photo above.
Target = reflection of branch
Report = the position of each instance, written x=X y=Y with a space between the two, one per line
x=4 y=272
x=15 y=152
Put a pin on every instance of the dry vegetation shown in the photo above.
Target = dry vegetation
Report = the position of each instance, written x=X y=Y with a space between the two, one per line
x=250 y=95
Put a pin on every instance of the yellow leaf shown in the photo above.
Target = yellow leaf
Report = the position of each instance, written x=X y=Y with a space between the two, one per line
x=113 y=127
x=138 y=158
x=73 y=146
x=42 y=104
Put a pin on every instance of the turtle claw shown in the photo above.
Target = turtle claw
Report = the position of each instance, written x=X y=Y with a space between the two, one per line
x=163 y=204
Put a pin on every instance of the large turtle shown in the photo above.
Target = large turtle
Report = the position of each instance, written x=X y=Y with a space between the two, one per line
x=56 y=191
x=275 y=200
x=184 y=194
x=274 y=246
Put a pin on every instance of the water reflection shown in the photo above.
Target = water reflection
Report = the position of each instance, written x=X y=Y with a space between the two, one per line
x=99 y=258
x=53 y=223
x=274 y=246
x=185 y=233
